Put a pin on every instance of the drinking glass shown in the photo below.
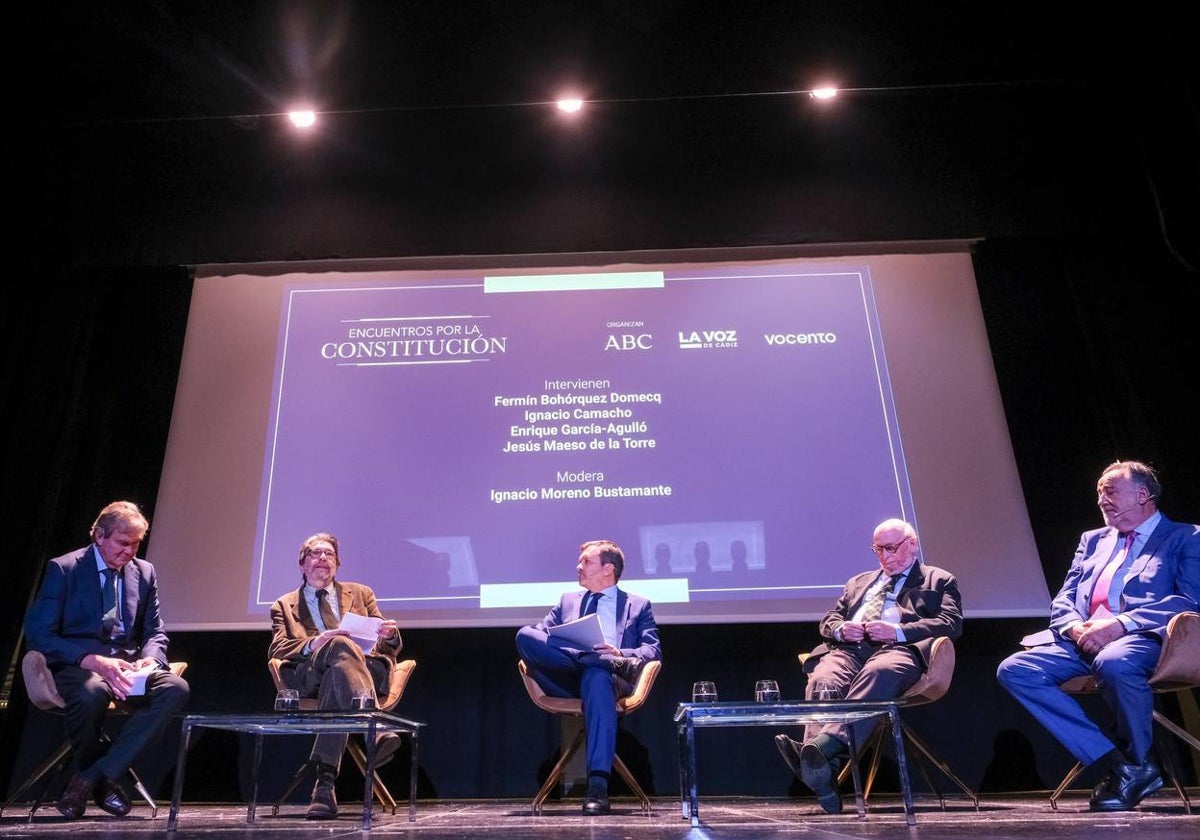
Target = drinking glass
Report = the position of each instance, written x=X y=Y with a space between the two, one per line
x=704 y=692
x=363 y=701
x=766 y=691
x=822 y=690
x=287 y=700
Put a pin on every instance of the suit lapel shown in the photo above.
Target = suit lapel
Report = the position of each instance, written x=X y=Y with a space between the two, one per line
x=345 y=599
x=1149 y=550
x=131 y=578
x=303 y=616
x=89 y=585
x=622 y=617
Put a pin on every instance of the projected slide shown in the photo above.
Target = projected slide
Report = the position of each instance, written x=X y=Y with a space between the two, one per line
x=732 y=427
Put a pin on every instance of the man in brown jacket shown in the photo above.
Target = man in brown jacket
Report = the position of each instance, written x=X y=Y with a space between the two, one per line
x=324 y=662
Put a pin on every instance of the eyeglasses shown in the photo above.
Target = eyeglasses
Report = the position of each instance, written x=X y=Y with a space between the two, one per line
x=320 y=552
x=890 y=548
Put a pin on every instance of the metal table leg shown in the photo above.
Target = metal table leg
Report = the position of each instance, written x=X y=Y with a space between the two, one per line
x=180 y=764
x=412 y=780
x=902 y=765
x=369 y=776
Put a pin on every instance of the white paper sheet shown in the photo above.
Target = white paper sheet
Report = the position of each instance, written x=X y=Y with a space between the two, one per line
x=584 y=633
x=363 y=629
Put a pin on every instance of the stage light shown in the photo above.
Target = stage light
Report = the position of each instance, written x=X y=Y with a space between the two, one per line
x=302 y=119
x=823 y=93
x=570 y=106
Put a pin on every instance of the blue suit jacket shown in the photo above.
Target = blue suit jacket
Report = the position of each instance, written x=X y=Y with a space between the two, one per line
x=636 y=627
x=64 y=622
x=1163 y=580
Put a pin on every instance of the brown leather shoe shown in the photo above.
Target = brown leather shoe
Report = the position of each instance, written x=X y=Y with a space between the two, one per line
x=324 y=800
x=386 y=744
x=111 y=798
x=73 y=801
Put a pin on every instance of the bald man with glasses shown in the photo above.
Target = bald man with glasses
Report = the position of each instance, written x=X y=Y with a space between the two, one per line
x=877 y=640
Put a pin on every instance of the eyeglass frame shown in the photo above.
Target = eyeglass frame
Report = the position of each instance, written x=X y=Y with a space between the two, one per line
x=320 y=552
x=889 y=548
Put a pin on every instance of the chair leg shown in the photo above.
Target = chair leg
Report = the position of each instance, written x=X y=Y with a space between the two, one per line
x=941 y=765
x=625 y=774
x=145 y=794
x=311 y=764
x=377 y=786
x=1170 y=771
x=54 y=764
x=870 y=748
x=557 y=771
x=1062 y=786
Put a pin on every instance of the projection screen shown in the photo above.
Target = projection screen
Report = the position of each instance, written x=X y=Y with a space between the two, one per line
x=738 y=425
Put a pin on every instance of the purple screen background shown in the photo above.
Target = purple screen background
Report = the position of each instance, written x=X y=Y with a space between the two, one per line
x=400 y=455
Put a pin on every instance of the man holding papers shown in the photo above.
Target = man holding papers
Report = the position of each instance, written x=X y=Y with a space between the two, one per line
x=1126 y=582
x=97 y=621
x=318 y=630
x=565 y=666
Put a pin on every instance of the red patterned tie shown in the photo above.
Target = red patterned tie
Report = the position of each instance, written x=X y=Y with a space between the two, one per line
x=1100 y=590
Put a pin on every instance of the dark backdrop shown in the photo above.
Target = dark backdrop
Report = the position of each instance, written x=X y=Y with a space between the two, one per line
x=1081 y=196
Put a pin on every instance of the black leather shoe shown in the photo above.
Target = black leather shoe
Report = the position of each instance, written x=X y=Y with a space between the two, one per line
x=1125 y=786
x=817 y=772
x=73 y=801
x=596 y=804
x=789 y=748
x=111 y=798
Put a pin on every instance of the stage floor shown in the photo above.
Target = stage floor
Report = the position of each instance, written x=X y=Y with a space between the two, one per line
x=1019 y=817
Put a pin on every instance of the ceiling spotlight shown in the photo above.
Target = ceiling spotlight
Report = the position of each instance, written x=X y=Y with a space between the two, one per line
x=302 y=119
x=570 y=106
x=823 y=93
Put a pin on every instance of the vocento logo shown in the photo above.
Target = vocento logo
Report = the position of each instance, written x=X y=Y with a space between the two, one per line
x=707 y=339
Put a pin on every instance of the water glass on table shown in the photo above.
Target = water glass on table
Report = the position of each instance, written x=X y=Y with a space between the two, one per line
x=704 y=692
x=766 y=691
x=363 y=701
x=287 y=700
x=822 y=690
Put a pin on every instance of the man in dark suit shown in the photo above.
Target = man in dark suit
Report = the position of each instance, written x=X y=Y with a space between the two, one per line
x=96 y=620
x=877 y=642
x=324 y=662
x=1125 y=583
x=600 y=675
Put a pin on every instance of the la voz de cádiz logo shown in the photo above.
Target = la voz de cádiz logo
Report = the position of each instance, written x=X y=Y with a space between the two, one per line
x=707 y=339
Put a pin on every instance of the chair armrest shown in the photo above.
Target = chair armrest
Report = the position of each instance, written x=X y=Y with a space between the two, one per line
x=400 y=676
x=1179 y=662
x=39 y=682
x=641 y=691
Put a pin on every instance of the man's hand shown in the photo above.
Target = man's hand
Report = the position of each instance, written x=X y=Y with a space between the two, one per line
x=1091 y=636
x=852 y=631
x=388 y=631
x=112 y=671
x=880 y=631
x=320 y=639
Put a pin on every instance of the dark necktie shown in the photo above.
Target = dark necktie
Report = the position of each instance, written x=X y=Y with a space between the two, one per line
x=109 y=602
x=874 y=607
x=593 y=600
x=327 y=617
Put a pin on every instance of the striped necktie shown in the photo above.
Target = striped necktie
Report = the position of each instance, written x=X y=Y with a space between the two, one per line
x=874 y=608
